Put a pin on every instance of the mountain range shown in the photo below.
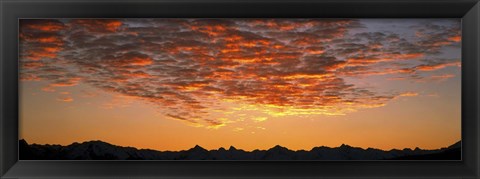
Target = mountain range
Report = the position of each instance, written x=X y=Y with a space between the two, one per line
x=99 y=150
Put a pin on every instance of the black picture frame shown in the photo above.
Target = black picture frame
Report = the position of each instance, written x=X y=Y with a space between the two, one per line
x=468 y=10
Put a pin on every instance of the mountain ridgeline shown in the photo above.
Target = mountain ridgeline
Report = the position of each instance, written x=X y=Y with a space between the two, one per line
x=98 y=150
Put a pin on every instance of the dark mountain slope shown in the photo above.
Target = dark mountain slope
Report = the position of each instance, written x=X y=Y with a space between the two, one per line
x=453 y=152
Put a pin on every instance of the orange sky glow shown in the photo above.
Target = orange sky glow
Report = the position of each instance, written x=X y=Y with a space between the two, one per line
x=171 y=84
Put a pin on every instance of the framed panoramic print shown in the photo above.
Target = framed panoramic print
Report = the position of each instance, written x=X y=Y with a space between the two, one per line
x=240 y=89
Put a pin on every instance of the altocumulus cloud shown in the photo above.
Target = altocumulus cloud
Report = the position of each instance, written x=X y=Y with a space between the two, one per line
x=190 y=67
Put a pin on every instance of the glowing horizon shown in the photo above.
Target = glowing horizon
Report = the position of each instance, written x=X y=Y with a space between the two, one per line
x=171 y=84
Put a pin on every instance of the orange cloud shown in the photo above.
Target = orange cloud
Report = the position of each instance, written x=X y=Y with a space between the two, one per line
x=435 y=78
x=31 y=65
x=98 y=25
x=212 y=30
x=362 y=61
x=437 y=66
x=130 y=58
x=456 y=38
x=65 y=99
x=409 y=94
x=441 y=77
x=42 y=25
x=66 y=82
x=48 y=89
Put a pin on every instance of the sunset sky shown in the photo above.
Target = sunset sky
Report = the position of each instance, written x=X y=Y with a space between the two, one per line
x=171 y=84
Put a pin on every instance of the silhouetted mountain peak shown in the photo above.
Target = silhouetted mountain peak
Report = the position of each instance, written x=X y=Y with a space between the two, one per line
x=345 y=146
x=23 y=142
x=231 y=148
x=92 y=142
x=278 y=147
x=197 y=148
x=97 y=142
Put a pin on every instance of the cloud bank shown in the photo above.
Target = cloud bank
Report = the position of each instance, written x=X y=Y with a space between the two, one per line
x=195 y=70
